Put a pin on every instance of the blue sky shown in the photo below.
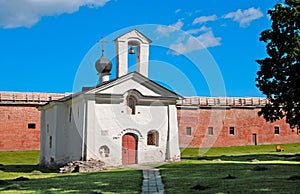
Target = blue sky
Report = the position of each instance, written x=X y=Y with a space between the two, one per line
x=204 y=48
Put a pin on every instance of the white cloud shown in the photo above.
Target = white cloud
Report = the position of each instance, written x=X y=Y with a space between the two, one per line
x=166 y=30
x=204 y=19
x=26 y=13
x=205 y=40
x=177 y=10
x=197 y=30
x=245 y=17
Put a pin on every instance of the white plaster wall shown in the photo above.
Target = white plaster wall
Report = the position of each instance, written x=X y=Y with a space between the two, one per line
x=107 y=123
x=69 y=132
x=48 y=118
x=66 y=135
x=61 y=137
x=42 y=138
x=122 y=58
x=142 y=64
x=123 y=87
x=173 y=135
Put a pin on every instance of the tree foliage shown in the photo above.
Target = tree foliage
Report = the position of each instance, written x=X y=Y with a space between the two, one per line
x=279 y=74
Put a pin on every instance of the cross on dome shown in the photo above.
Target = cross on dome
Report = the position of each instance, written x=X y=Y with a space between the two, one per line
x=103 y=65
x=103 y=42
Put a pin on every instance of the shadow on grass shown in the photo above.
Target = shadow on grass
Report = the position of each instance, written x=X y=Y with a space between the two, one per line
x=24 y=168
x=194 y=176
x=249 y=158
x=115 y=181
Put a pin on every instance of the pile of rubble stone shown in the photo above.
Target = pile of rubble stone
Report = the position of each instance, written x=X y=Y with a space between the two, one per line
x=91 y=165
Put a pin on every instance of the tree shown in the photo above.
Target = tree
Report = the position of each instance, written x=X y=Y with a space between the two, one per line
x=279 y=74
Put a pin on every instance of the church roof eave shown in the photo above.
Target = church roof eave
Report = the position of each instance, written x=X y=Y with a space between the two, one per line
x=164 y=92
x=141 y=35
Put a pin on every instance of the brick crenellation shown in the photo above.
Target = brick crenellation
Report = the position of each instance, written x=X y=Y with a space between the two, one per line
x=221 y=101
x=37 y=98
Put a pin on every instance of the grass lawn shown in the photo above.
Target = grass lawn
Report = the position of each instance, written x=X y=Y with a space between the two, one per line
x=250 y=169
x=191 y=176
x=190 y=153
x=17 y=164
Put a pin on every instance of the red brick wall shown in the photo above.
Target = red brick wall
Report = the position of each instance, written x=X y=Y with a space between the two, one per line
x=245 y=121
x=15 y=134
x=14 y=131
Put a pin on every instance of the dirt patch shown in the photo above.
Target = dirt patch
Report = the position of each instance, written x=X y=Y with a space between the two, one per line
x=200 y=187
x=259 y=168
x=229 y=176
x=21 y=179
x=294 y=178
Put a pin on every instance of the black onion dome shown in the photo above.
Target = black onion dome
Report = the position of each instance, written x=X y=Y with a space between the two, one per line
x=103 y=65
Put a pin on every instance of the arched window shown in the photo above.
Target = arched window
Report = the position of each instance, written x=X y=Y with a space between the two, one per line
x=131 y=103
x=152 y=138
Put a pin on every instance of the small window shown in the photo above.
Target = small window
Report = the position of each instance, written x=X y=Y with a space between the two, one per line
x=131 y=103
x=70 y=114
x=31 y=125
x=276 y=130
x=231 y=130
x=47 y=128
x=188 y=131
x=152 y=138
x=210 y=130
x=50 y=141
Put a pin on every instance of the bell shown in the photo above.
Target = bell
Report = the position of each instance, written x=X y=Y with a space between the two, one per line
x=131 y=50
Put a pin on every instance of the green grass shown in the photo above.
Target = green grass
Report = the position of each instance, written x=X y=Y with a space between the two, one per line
x=206 y=169
x=20 y=157
x=183 y=176
x=199 y=167
x=17 y=164
x=190 y=153
x=110 y=181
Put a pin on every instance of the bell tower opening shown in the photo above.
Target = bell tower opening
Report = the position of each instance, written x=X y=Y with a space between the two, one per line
x=133 y=56
x=132 y=43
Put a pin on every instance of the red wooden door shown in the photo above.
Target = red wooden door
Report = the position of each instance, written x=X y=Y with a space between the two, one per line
x=129 y=148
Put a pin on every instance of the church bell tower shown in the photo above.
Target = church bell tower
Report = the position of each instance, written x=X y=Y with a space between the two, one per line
x=126 y=42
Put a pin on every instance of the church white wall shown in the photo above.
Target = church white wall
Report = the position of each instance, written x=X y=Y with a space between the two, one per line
x=123 y=87
x=42 y=138
x=48 y=132
x=143 y=60
x=69 y=132
x=174 y=153
x=75 y=130
x=65 y=129
x=61 y=136
x=107 y=123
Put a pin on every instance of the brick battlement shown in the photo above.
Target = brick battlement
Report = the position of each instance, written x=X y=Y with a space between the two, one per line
x=35 y=98
x=221 y=102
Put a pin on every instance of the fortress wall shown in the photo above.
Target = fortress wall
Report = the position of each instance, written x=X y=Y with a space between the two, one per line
x=20 y=119
x=18 y=113
x=221 y=114
x=20 y=128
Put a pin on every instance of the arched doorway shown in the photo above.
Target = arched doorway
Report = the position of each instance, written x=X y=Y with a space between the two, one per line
x=129 y=148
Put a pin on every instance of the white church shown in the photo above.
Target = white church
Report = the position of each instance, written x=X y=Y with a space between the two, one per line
x=126 y=120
